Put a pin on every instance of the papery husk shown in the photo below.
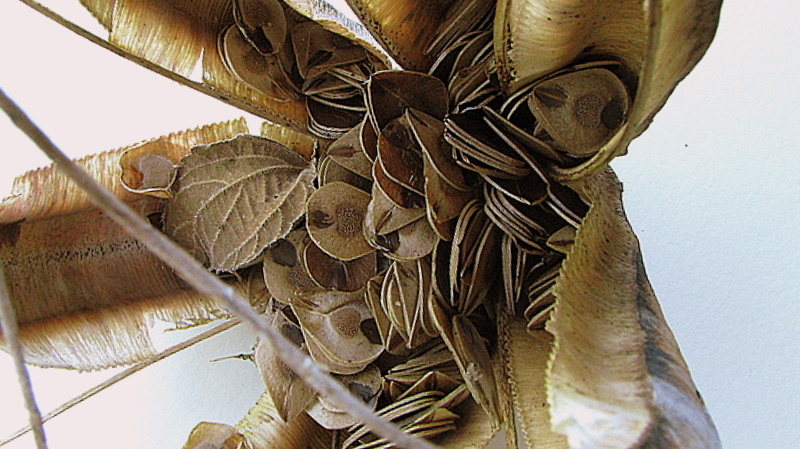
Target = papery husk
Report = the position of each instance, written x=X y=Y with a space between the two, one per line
x=102 y=10
x=151 y=168
x=658 y=42
x=525 y=355
x=301 y=143
x=264 y=429
x=84 y=291
x=474 y=427
x=180 y=34
x=332 y=20
x=616 y=378
x=176 y=31
x=177 y=35
x=404 y=28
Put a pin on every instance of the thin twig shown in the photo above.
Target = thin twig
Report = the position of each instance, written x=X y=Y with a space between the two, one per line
x=208 y=284
x=125 y=374
x=8 y=321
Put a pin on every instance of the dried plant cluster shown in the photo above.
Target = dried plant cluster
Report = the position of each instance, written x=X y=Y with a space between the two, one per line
x=445 y=239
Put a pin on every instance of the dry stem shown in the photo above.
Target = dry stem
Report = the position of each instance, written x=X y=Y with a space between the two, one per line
x=8 y=321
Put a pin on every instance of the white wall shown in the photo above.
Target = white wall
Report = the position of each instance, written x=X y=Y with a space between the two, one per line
x=712 y=190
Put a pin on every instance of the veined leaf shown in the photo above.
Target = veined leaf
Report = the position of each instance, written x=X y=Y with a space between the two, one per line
x=234 y=198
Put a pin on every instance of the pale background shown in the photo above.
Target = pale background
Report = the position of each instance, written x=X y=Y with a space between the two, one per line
x=712 y=190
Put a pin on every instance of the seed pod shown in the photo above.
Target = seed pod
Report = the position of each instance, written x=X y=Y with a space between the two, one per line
x=655 y=44
x=264 y=73
x=332 y=324
x=331 y=273
x=284 y=271
x=263 y=23
x=367 y=385
x=580 y=110
x=334 y=219
x=289 y=393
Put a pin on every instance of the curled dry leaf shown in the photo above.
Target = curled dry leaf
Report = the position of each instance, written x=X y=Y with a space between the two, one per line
x=525 y=356
x=207 y=435
x=412 y=32
x=234 y=198
x=621 y=382
x=151 y=168
x=653 y=44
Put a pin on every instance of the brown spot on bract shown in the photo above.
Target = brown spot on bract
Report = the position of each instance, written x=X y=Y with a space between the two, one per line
x=369 y=328
x=9 y=234
x=346 y=321
x=587 y=110
x=613 y=114
x=319 y=219
x=335 y=220
x=284 y=253
x=348 y=220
